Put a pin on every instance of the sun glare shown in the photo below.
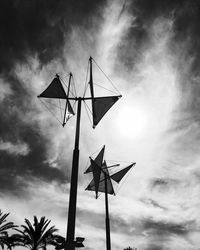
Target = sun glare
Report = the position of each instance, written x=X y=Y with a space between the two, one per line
x=132 y=121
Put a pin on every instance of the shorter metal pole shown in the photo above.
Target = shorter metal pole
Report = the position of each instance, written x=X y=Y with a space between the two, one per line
x=108 y=245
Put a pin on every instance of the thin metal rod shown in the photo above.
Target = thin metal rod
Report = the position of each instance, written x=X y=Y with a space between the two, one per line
x=73 y=187
x=116 y=165
x=91 y=79
x=92 y=91
x=108 y=245
x=82 y=98
x=70 y=76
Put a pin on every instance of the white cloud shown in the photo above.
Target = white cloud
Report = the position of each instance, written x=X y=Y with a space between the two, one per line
x=5 y=89
x=19 y=148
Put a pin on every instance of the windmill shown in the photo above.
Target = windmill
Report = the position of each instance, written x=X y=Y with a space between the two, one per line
x=100 y=105
x=102 y=182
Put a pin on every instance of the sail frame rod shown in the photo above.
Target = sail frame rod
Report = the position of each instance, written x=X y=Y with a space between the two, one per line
x=82 y=98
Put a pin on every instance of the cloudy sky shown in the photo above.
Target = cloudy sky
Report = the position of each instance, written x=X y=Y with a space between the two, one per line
x=150 y=49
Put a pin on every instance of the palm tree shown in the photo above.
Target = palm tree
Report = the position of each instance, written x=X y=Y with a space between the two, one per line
x=5 y=240
x=37 y=236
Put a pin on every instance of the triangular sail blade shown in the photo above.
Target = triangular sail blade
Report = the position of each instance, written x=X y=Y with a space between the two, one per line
x=69 y=112
x=98 y=160
x=101 y=188
x=91 y=186
x=105 y=174
x=70 y=109
x=119 y=175
x=96 y=170
x=100 y=106
x=101 y=181
x=54 y=90
x=110 y=189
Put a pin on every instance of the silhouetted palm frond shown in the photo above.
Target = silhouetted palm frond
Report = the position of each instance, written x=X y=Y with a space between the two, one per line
x=14 y=240
x=4 y=227
x=38 y=235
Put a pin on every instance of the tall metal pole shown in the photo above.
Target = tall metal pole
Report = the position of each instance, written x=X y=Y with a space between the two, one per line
x=73 y=187
x=108 y=245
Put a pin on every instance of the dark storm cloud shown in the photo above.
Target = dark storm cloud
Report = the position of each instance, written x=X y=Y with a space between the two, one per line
x=91 y=218
x=151 y=202
x=164 y=184
x=29 y=28
x=167 y=228
x=185 y=44
x=40 y=27
x=117 y=224
x=158 y=233
x=185 y=16
x=17 y=170
x=160 y=182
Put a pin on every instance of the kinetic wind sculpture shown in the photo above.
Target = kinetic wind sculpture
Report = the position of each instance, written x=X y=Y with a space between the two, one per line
x=102 y=182
x=100 y=105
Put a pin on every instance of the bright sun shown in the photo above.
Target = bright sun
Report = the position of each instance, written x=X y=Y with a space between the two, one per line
x=132 y=121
